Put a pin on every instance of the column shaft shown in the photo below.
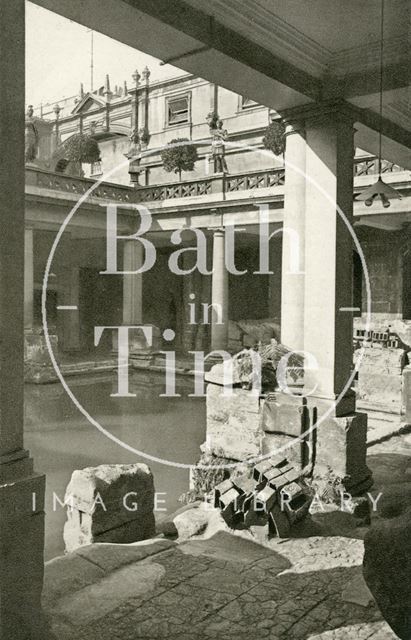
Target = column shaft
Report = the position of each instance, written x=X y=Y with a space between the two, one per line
x=292 y=273
x=133 y=283
x=219 y=294
x=328 y=254
x=12 y=230
x=28 y=278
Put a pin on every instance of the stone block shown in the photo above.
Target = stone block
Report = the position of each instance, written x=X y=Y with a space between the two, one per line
x=289 y=446
x=191 y=523
x=109 y=503
x=383 y=361
x=341 y=446
x=383 y=391
x=233 y=423
x=223 y=374
x=286 y=414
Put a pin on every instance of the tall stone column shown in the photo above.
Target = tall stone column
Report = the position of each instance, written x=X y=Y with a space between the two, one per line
x=328 y=253
x=341 y=432
x=323 y=308
x=133 y=259
x=28 y=278
x=292 y=271
x=219 y=293
x=21 y=516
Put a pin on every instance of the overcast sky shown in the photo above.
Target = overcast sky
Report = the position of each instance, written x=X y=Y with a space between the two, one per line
x=58 y=54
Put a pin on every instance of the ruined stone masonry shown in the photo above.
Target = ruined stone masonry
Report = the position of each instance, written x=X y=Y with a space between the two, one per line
x=109 y=503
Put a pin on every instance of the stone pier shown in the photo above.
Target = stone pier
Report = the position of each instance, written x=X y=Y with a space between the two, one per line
x=21 y=490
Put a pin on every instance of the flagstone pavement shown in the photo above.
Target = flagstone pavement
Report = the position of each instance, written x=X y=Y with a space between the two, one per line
x=223 y=587
x=226 y=586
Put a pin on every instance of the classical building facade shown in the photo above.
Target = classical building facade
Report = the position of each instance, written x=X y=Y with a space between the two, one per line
x=132 y=125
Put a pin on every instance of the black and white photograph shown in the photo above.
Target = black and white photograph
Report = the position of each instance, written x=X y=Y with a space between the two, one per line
x=205 y=319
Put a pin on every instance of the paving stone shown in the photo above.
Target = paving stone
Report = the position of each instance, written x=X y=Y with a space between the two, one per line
x=114 y=556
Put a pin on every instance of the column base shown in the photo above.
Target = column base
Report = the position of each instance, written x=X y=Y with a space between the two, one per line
x=340 y=452
x=22 y=559
x=334 y=452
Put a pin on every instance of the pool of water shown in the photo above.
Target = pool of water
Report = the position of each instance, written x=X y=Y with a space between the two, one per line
x=61 y=439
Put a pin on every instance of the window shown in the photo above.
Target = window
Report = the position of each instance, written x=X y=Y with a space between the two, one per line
x=246 y=103
x=177 y=110
x=95 y=169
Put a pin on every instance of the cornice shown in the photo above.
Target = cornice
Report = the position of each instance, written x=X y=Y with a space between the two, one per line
x=274 y=34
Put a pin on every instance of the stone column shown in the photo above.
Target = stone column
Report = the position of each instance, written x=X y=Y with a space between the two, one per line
x=341 y=432
x=338 y=438
x=329 y=253
x=133 y=259
x=219 y=293
x=21 y=517
x=28 y=278
x=292 y=272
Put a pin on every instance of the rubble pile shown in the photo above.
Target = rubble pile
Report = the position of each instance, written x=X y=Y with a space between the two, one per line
x=275 y=493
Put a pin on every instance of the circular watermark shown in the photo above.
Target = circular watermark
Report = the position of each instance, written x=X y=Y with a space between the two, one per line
x=96 y=423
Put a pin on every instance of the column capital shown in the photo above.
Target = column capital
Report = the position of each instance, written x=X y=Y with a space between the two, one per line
x=217 y=230
x=319 y=113
x=296 y=126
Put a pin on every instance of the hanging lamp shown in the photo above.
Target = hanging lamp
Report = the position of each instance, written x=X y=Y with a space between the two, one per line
x=380 y=189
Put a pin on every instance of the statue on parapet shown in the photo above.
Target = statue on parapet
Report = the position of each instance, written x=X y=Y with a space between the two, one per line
x=218 y=138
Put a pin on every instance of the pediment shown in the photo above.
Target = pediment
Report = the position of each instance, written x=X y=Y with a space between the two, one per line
x=88 y=102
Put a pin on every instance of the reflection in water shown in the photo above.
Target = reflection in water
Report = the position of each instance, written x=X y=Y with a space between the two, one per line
x=60 y=438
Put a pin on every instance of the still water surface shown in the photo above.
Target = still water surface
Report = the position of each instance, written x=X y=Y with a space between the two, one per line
x=60 y=438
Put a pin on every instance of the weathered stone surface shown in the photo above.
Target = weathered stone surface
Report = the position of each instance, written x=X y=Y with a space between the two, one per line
x=357 y=592
x=190 y=523
x=383 y=361
x=285 y=414
x=382 y=391
x=387 y=570
x=109 y=503
x=233 y=423
x=341 y=446
x=223 y=374
x=380 y=380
